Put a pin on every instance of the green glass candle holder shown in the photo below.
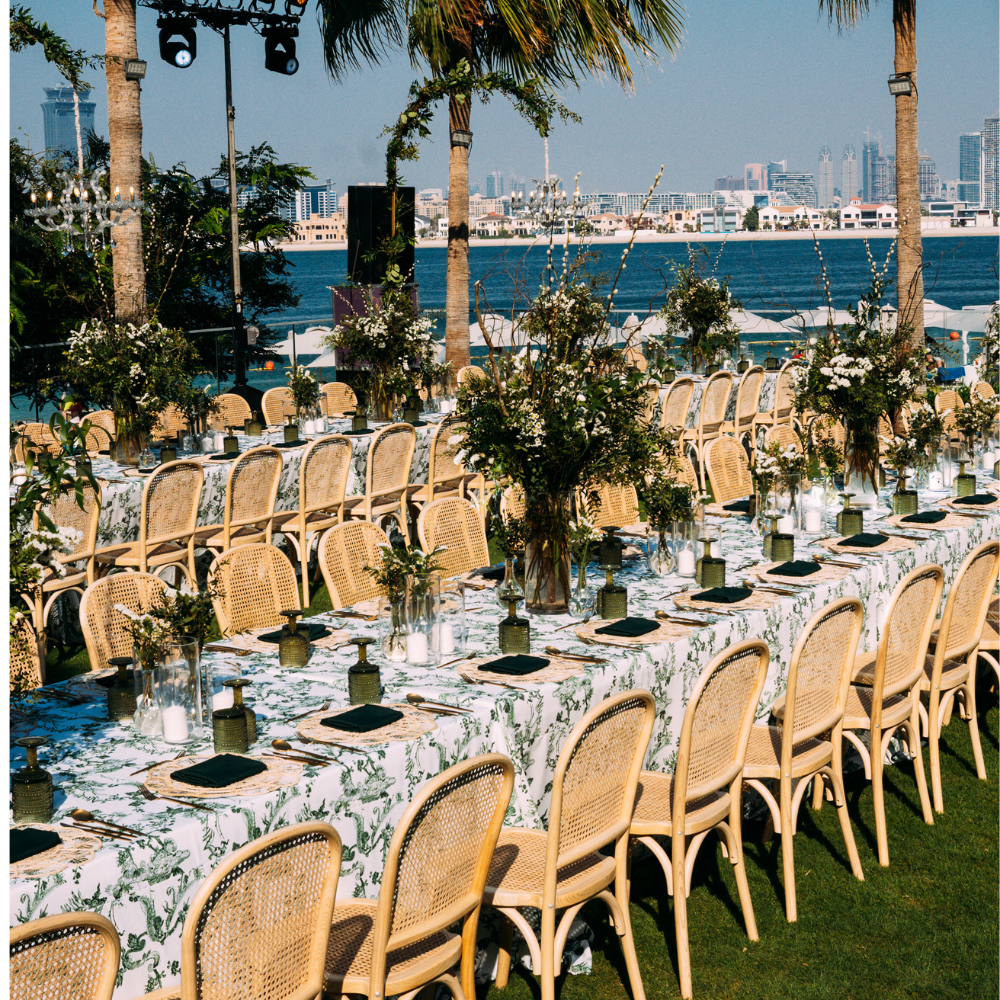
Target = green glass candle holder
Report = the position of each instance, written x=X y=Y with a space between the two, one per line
x=229 y=725
x=31 y=787
x=251 y=716
x=743 y=365
x=291 y=433
x=669 y=375
x=256 y=425
x=293 y=646
x=713 y=568
x=515 y=633
x=904 y=501
x=359 y=422
x=771 y=364
x=965 y=482
x=610 y=552
x=782 y=547
x=122 y=701
x=364 y=682
x=167 y=454
x=769 y=535
x=411 y=411
x=850 y=520
x=711 y=369
x=230 y=443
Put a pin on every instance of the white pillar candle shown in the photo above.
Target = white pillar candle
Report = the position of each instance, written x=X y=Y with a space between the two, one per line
x=685 y=562
x=220 y=441
x=444 y=637
x=988 y=459
x=814 y=521
x=935 y=481
x=224 y=699
x=310 y=427
x=175 y=725
x=416 y=647
x=786 y=525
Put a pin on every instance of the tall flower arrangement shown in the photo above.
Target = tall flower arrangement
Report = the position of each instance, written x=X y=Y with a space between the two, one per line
x=304 y=387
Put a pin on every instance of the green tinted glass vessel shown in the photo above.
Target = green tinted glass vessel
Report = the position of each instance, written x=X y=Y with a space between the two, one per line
x=229 y=725
x=515 y=633
x=364 y=682
x=293 y=646
x=850 y=521
x=122 y=701
x=31 y=787
x=782 y=548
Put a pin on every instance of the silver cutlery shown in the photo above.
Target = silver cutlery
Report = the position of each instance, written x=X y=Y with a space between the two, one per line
x=553 y=651
x=308 y=711
x=572 y=623
x=84 y=816
x=419 y=699
x=472 y=680
x=152 y=797
x=157 y=763
x=99 y=831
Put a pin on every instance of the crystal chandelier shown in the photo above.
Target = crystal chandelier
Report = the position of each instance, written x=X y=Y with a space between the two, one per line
x=84 y=211
x=547 y=204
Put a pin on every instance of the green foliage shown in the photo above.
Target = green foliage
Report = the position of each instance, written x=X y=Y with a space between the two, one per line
x=667 y=501
x=399 y=562
x=303 y=386
x=751 y=219
x=25 y=31
x=926 y=428
x=190 y=615
x=829 y=453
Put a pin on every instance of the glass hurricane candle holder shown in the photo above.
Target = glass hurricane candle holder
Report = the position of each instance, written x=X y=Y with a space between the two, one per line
x=229 y=725
x=147 y=711
x=168 y=454
x=612 y=598
x=293 y=645
x=510 y=584
x=217 y=694
x=422 y=601
x=514 y=632
x=31 y=787
x=709 y=536
x=364 y=682
x=121 y=694
x=173 y=698
x=904 y=501
x=451 y=631
x=712 y=566
x=231 y=443
x=965 y=482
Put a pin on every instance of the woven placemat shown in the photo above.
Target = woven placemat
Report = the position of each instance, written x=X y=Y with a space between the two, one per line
x=412 y=726
x=825 y=574
x=665 y=632
x=557 y=670
x=894 y=544
x=248 y=641
x=951 y=521
x=971 y=508
x=755 y=602
x=77 y=848
x=279 y=774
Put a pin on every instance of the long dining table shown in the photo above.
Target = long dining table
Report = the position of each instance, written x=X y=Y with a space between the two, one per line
x=144 y=887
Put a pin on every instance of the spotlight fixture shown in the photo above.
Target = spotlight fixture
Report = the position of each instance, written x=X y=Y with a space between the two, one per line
x=178 y=51
x=135 y=69
x=279 y=50
x=902 y=85
x=461 y=137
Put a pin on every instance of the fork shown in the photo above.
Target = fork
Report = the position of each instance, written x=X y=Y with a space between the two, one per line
x=158 y=763
x=152 y=797
x=472 y=680
x=309 y=711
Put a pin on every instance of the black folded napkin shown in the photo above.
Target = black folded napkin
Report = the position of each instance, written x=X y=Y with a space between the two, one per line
x=219 y=771
x=977 y=499
x=516 y=665
x=30 y=841
x=294 y=444
x=363 y=719
x=489 y=572
x=316 y=631
x=631 y=628
x=866 y=540
x=925 y=517
x=798 y=567
x=723 y=595
x=371 y=430
x=740 y=506
x=223 y=456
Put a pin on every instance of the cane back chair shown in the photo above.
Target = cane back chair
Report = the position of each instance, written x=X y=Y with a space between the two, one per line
x=607 y=506
x=171 y=423
x=338 y=398
x=276 y=403
x=444 y=477
x=390 y=456
x=747 y=401
x=711 y=416
x=676 y=404
x=783 y=411
x=253 y=585
x=27 y=657
x=233 y=411
x=989 y=644
x=344 y=551
x=728 y=470
x=104 y=627
x=457 y=525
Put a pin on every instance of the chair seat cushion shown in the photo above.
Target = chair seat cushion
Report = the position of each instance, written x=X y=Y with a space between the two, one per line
x=654 y=805
x=128 y=555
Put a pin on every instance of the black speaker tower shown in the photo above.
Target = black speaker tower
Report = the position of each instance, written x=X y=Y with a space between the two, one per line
x=369 y=221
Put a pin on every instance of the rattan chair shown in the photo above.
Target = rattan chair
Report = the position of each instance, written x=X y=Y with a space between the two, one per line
x=434 y=877
x=104 y=628
x=947 y=403
x=444 y=477
x=807 y=743
x=277 y=402
x=983 y=390
x=705 y=791
x=323 y=474
x=344 y=551
x=885 y=694
x=560 y=869
x=105 y=419
x=676 y=404
x=469 y=371
x=248 y=511
x=390 y=456
x=337 y=398
x=783 y=411
x=27 y=656
x=747 y=401
x=168 y=520
x=98 y=439
x=728 y=470
x=989 y=643
x=65 y=512
x=70 y=956
x=608 y=506
x=257 y=927
x=826 y=426
x=253 y=585
x=682 y=471
x=652 y=402
x=512 y=502
x=37 y=438
x=171 y=423
x=233 y=411
x=457 y=525
x=711 y=415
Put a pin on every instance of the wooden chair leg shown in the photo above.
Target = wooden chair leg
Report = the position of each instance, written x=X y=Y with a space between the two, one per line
x=840 y=801
x=680 y=915
x=547 y=945
x=628 y=942
x=787 y=855
x=503 y=955
x=877 y=764
x=970 y=707
x=934 y=748
x=913 y=731
x=739 y=868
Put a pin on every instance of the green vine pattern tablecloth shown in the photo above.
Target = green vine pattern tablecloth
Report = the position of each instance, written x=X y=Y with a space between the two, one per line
x=144 y=888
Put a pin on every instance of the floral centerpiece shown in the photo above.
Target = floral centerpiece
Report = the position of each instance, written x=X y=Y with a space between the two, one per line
x=304 y=387
x=926 y=428
x=391 y=341
x=187 y=615
x=977 y=418
x=829 y=454
x=135 y=371
x=197 y=405
x=900 y=453
x=766 y=470
x=668 y=504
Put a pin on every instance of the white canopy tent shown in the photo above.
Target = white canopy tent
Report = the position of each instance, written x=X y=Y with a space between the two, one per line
x=754 y=325
x=503 y=333
x=310 y=341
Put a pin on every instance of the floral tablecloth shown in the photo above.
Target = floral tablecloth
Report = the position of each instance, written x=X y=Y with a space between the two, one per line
x=764 y=405
x=144 y=888
x=122 y=494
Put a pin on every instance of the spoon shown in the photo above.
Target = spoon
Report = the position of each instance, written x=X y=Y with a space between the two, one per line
x=419 y=699
x=285 y=745
x=83 y=816
x=554 y=651
x=571 y=624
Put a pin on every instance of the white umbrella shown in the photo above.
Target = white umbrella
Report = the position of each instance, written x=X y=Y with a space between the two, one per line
x=502 y=332
x=816 y=318
x=310 y=341
x=324 y=361
x=755 y=324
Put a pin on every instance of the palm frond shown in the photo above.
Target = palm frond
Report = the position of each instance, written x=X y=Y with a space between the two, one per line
x=845 y=13
x=359 y=31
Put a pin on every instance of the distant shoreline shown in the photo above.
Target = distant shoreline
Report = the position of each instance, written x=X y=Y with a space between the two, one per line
x=648 y=237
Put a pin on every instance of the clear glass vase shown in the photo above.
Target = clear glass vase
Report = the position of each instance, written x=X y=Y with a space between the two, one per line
x=547 y=556
x=582 y=598
x=510 y=584
x=393 y=628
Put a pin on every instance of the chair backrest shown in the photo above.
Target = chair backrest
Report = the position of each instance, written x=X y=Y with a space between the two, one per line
x=105 y=419
x=785 y=436
x=439 y=857
x=390 y=456
x=171 y=422
x=634 y=356
x=967 y=604
x=104 y=628
x=728 y=469
x=339 y=398
x=72 y=956
x=899 y=662
x=615 y=505
x=827 y=426
x=948 y=399
x=233 y=411
x=98 y=439
x=469 y=371
x=26 y=657
x=652 y=401
x=441 y=467
x=673 y=413
x=983 y=390
x=512 y=502
x=456 y=524
x=65 y=512
x=594 y=784
x=323 y=473
x=748 y=394
x=252 y=488
x=37 y=437
x=682 y=469
x=276 y=403
x=253 y=584
x=715 y=399
x=258 y=926
x=716 y=727
x=170 y=499
x=819 y=673
x=784 y=390
x=344 y=551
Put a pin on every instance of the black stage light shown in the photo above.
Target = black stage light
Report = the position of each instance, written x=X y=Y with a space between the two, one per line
x=279 y=50
x=178 y=51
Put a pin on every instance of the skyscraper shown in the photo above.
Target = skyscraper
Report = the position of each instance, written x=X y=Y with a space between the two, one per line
x=775 y=167
x=849 y=175
x=870 y=152
x=800 y=188
x=824 y=179
x=494 y=184
x=755 y=176
x=970 y=151
x=884 y=178
x=989 y=169
x=60 y=120
x=930 y=185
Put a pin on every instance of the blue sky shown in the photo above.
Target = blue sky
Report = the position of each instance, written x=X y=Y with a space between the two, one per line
x=752 y=82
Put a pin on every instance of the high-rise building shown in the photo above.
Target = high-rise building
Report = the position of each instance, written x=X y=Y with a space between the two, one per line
x=775 y=167
x=59 y=118
x=755 y=176
x=849 y=175
x=883 y=179
x=870 y=152
x=930 y=185
x=730 y=184
x=494 y=184
x=989 y=169
x=824 y=179
x=317 y=199
x=970 y=151
x=800 y=188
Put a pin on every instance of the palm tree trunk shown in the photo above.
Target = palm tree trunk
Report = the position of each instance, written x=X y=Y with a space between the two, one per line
x=457 y=324
x=125 y=132
x=909 y=252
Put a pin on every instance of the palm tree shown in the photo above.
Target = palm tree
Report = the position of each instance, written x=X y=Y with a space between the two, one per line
x=909 y=250
x=552 y=41
x=125 y=135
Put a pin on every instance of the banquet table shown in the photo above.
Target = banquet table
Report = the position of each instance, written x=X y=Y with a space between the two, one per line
x=145 y=887
x=122 y=487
